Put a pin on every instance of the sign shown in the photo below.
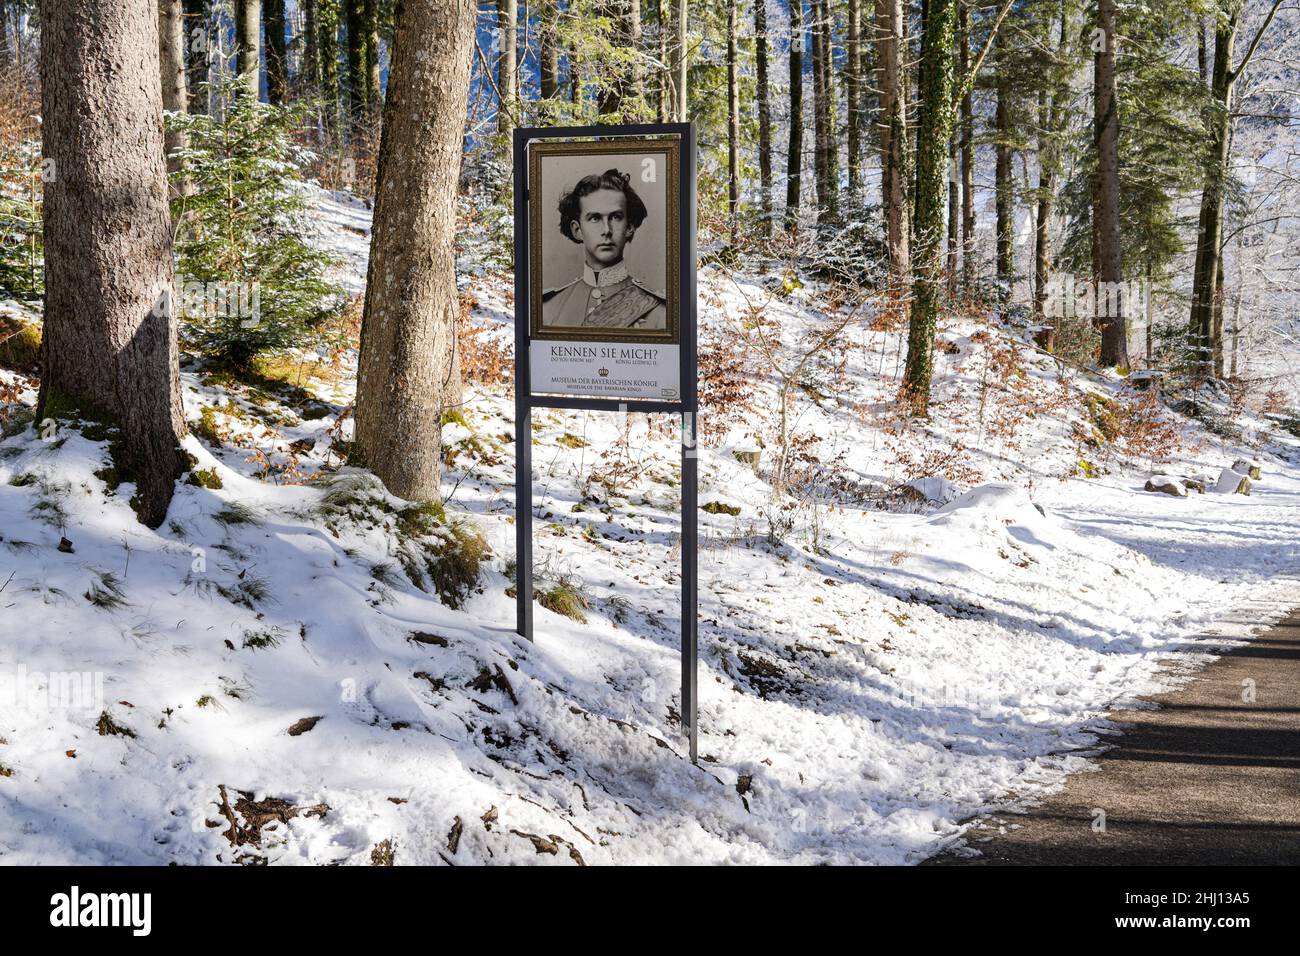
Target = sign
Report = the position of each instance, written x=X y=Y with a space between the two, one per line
x=605 y=310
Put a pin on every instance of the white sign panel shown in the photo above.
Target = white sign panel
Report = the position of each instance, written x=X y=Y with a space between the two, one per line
x=606 y=369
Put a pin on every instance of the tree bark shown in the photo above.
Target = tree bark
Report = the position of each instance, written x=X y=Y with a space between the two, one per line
x=891 y=48
x=1114 y=328
x=277 y=53
x=408 y=350
x=171 y=57
x=934 y=127
x=794 y=151
x=763 y=96
x=109 y=343
x=507 y=65
x=248 y=41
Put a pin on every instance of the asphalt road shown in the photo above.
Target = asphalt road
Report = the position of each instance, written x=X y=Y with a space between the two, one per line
x=1207 y=778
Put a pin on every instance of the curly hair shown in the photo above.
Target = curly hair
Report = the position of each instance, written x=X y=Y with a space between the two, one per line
x=614 y=179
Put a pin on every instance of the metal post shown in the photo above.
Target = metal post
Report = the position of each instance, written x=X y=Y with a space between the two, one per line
x=690 y=460
x=523 y=404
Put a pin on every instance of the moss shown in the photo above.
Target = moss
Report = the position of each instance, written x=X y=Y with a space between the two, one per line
x=564 y=598
x=207 y=700
x=421 y=519
x=570 y=440
x=25 y=480
x=1104 y=413
x=208 y=428
x=455 y=416
x=110 y=476
x=20 y=345
x=719 y=508
x=206 y=478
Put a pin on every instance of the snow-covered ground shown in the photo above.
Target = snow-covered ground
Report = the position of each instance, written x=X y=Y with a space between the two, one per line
x=260 y=680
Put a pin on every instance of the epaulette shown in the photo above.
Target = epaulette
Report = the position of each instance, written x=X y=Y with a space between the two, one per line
x=548 y=294
x=657 y=293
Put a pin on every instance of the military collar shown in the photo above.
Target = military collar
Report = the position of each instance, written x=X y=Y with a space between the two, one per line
x=612 y=276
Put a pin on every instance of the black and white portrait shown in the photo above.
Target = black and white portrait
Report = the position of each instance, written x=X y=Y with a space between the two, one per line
x=604 y=240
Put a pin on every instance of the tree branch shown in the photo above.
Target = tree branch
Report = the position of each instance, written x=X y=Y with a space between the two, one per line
x=1254 y=44
x=968 y=80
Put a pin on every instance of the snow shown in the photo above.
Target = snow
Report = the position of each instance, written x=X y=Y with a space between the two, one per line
x=871 y=676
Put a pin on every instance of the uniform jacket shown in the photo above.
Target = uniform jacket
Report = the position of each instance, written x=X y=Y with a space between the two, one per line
x=608 y=299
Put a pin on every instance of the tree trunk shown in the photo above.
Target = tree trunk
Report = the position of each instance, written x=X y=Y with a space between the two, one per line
x=548 y=79
x=891 y=49
x=1050 y=121
x=967 y=155
x=1209 y=234
x=277 y=54
x=934 y=127
x=374 y=79
x=954 y=210
x=248 y=39
x=824 y=132
x=507 y=66
x=309 y=80
x=1114 y=328
x=411 y=309
x=356 y=77
x=327 y=34
x=1004 y=195
x=109 y=344
x=171 y=57
x=196 y=47
x=852 y=97
x=733 y=120
x=763 y=96
x=794 y=152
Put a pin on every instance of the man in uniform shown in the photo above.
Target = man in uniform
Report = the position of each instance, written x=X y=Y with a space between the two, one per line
x=602 y=213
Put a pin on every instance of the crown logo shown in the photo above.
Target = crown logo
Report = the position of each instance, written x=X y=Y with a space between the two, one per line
x=603 y=372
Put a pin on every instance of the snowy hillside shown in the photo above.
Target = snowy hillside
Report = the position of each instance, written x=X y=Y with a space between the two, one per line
x=934 y=620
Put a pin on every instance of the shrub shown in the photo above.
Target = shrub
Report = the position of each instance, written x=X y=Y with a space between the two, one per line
x=244 y=239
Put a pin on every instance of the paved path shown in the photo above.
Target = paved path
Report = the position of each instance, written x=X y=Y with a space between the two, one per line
x=1204 y=779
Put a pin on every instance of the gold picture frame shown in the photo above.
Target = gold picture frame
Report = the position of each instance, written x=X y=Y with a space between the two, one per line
x=670 y=149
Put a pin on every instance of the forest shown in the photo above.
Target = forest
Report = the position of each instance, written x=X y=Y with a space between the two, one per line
x=998 y=332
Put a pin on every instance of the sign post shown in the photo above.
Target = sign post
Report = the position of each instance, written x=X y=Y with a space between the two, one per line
x=605 y=312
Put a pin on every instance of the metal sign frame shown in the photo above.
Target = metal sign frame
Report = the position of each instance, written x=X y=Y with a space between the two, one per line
x=687 y=407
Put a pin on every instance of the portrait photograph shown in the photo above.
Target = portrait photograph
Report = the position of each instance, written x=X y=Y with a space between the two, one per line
x=604 y=243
